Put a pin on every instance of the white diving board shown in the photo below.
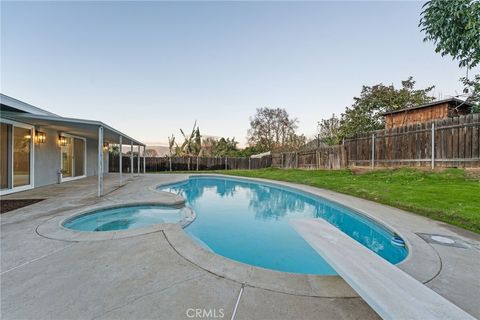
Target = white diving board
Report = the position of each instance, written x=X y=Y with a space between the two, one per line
x=392 y=293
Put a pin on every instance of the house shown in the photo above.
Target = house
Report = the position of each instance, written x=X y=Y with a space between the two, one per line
x=39 y=148
x=435 y=110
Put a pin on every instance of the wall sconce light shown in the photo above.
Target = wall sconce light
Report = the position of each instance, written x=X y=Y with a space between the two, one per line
x=40 y=137
x=105 y=146
x=62 y=141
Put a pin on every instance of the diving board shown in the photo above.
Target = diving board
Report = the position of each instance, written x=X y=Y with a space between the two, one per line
x=392 y=293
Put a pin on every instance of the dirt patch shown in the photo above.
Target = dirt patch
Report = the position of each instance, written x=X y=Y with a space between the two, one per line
x=9 y=205
x=473 y=173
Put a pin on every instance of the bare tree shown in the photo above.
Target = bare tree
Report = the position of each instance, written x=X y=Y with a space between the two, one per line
x=151 y=153
x=273 y=129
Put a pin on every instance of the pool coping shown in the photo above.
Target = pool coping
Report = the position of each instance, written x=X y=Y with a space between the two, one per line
x=420 y=253
x=422 y=261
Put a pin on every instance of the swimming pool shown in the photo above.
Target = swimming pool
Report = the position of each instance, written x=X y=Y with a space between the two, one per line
x=248 y=222
x=123 y=218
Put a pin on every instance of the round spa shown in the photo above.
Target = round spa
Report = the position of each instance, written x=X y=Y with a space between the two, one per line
x=123 y=218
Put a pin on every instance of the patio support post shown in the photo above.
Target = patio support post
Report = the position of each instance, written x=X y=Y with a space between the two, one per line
x=120 y=166
x=138 y=161
x=144 y=163
x=131 y=159
x=100 y=162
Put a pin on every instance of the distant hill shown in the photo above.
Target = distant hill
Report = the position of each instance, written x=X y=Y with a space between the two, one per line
x=161 y=150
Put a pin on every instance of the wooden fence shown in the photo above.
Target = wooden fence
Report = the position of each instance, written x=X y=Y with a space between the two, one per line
x=453 y=142
x=450 y=142
x=323 y=158
x=155 y=164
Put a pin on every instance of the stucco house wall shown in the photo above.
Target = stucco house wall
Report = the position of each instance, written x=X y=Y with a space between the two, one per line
x=36 y=162
x=48 y=159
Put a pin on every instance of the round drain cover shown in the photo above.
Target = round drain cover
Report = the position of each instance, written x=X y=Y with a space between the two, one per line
x=443 y=239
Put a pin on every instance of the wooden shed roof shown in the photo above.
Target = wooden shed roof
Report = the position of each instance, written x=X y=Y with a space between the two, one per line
x=431 y=104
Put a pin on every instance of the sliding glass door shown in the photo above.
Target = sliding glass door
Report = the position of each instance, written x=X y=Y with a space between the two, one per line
x=21 y=156
x=5 y=137
x=73 y=157
x=16 y=160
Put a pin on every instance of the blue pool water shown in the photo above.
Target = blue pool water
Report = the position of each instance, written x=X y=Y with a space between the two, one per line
x=124 y=218
x=248 y=222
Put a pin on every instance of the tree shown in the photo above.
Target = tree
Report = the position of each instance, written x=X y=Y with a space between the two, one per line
x=225 y=147
x=247 y=152
x=454 y=28
x=366 y=112
x=215 y=147
x=208 y=146
x=114 y=149
x=329 y=130
x=171 y=145
x=151 y=153
x=472 y=88
x=191 y=146
x=272 y=129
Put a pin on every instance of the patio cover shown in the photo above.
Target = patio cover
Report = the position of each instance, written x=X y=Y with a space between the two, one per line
x=80 y=127
x=86 y=128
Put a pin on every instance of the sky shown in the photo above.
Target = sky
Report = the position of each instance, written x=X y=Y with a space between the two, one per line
x=150 y=68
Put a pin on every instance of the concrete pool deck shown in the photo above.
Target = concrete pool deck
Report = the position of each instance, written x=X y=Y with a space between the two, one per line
x=163 y=274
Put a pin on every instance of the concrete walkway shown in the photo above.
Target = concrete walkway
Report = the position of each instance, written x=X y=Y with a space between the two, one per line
x=146 y=277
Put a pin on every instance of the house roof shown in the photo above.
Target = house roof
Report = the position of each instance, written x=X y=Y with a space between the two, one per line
x=81 y=127
x=431 y=104
x=21 y=106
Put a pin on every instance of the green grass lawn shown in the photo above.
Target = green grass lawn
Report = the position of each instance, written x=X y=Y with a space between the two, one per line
x=450 y=195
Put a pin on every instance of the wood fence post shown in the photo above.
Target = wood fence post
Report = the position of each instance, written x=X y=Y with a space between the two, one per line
x=296 y=160
x=170 y=162
x=433 y=145
x=249 y=163
x=373 y=150
x=226 y=165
